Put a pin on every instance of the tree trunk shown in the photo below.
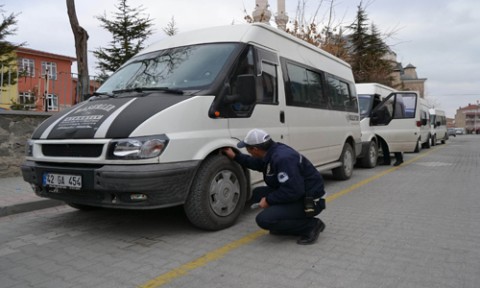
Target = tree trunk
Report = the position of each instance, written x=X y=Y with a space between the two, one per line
x=81 y=37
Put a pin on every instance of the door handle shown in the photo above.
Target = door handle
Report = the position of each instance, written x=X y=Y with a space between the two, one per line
x=282 y=117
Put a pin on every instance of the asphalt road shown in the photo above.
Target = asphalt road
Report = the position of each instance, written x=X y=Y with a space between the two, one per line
x=416 y=225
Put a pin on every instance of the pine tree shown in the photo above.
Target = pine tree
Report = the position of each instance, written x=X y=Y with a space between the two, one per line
x=171 y=28
x=8 y=65
x=129 y=31
x=368 y=51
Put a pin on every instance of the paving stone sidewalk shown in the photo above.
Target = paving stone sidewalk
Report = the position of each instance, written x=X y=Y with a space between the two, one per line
x=16 y=196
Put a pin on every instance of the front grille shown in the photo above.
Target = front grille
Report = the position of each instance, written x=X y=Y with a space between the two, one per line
x=72 y=150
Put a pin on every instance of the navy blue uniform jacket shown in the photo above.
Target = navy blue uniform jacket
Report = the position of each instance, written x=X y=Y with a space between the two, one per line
x=286 y=171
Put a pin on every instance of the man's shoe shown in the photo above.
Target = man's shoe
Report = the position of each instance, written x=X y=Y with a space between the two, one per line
x=398 y=163
x=312 y=236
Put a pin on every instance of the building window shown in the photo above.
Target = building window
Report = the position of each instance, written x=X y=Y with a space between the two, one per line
x=26 y=67
x=52 y=69
x=27 y=99
x=52 y=102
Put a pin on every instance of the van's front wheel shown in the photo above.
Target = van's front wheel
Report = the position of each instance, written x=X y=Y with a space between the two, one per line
x=218 y=194
x=370 y=160
x=347 y=158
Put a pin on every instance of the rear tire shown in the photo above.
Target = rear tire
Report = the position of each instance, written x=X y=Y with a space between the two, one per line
x=217 y=195
x=419 y=146
x=347 y=158
x=427 y=143
x=370 y=159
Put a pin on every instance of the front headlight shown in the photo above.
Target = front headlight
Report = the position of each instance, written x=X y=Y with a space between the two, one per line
x=137 y=148
x=29 y=148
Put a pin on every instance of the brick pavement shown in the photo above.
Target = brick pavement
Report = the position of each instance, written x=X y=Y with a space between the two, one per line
x=16 y=196
x=416 y=226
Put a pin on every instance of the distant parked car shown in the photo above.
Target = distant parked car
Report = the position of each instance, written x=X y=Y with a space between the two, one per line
x=451 y=132
x=459 y=131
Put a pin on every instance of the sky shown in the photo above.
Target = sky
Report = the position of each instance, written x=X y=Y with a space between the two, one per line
x=438 y=37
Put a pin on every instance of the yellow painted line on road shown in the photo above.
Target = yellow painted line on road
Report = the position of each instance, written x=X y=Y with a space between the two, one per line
x=202 y=261
x=220 y=252
x=376 y=176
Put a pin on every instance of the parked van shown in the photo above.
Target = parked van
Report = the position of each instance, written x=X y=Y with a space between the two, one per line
x=425 y=132
x=399 y=121
x=370 y=95
x=152 y=135
x=438 y=125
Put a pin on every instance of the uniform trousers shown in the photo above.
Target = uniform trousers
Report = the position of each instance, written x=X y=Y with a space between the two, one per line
x=285 y=218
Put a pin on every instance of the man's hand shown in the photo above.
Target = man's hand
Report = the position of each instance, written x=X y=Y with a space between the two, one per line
x=228 y=152
x=263 y=203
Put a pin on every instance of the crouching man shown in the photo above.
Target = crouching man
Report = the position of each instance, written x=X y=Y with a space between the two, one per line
x=294 y=191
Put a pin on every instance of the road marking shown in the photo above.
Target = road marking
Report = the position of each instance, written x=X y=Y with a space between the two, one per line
x=202 y=261
x=220 y=252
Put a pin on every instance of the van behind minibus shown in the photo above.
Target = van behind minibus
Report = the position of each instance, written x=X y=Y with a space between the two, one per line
x=438 y=125
x=152 y=135
x=389 y=118
x=370 y=95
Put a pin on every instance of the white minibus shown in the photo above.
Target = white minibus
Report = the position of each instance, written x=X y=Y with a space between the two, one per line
x=370 y=95
x=438 y=122
x=399 y=122
x=423 y=123
x=152 y=134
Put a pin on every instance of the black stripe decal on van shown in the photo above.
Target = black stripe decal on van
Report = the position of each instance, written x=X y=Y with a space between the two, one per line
x=140 y=111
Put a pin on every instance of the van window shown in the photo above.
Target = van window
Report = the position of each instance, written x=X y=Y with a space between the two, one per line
x=305 y=87
x=340 y=96
x=268 y=84
x=189 y=67
x=405 y=106
x=261 y=64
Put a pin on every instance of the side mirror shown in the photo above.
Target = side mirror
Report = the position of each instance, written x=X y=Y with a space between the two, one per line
x=374 y=118
x=246 y=88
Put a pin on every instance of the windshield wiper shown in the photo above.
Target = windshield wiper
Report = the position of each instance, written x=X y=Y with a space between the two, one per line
x=146 y=89
x=103 y=94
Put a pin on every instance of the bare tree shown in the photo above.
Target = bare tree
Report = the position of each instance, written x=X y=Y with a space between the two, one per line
x=81 y=38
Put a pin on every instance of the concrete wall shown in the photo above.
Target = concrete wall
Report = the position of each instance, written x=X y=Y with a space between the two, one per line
x=16 y=127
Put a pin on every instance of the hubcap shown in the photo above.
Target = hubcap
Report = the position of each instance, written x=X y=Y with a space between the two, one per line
x=373 y=154
x=224 y=193
x=348 y=162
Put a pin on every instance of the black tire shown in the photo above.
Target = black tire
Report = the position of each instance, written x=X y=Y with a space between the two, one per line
x=217 y=195
x=419 y=146
x=347 y=158
x=427 y=144
x=82 y=207
x=434 y=140
x=370 y=159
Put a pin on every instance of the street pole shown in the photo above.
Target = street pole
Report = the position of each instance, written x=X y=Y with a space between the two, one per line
x=46 y=90
x=475 y=125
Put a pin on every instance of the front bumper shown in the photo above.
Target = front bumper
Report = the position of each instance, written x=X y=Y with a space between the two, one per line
x=112 y=186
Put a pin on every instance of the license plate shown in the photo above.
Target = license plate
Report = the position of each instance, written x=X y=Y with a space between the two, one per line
x=62 y=181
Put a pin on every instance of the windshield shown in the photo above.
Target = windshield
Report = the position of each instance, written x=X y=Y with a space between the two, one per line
x=180 y=68
x=365 y=104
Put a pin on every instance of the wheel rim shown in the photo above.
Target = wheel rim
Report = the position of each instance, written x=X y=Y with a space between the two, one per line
x=224 y=193
x=348 y=162
x=372 y=154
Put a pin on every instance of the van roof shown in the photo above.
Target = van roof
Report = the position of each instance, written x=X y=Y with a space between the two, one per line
x=262 y=35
